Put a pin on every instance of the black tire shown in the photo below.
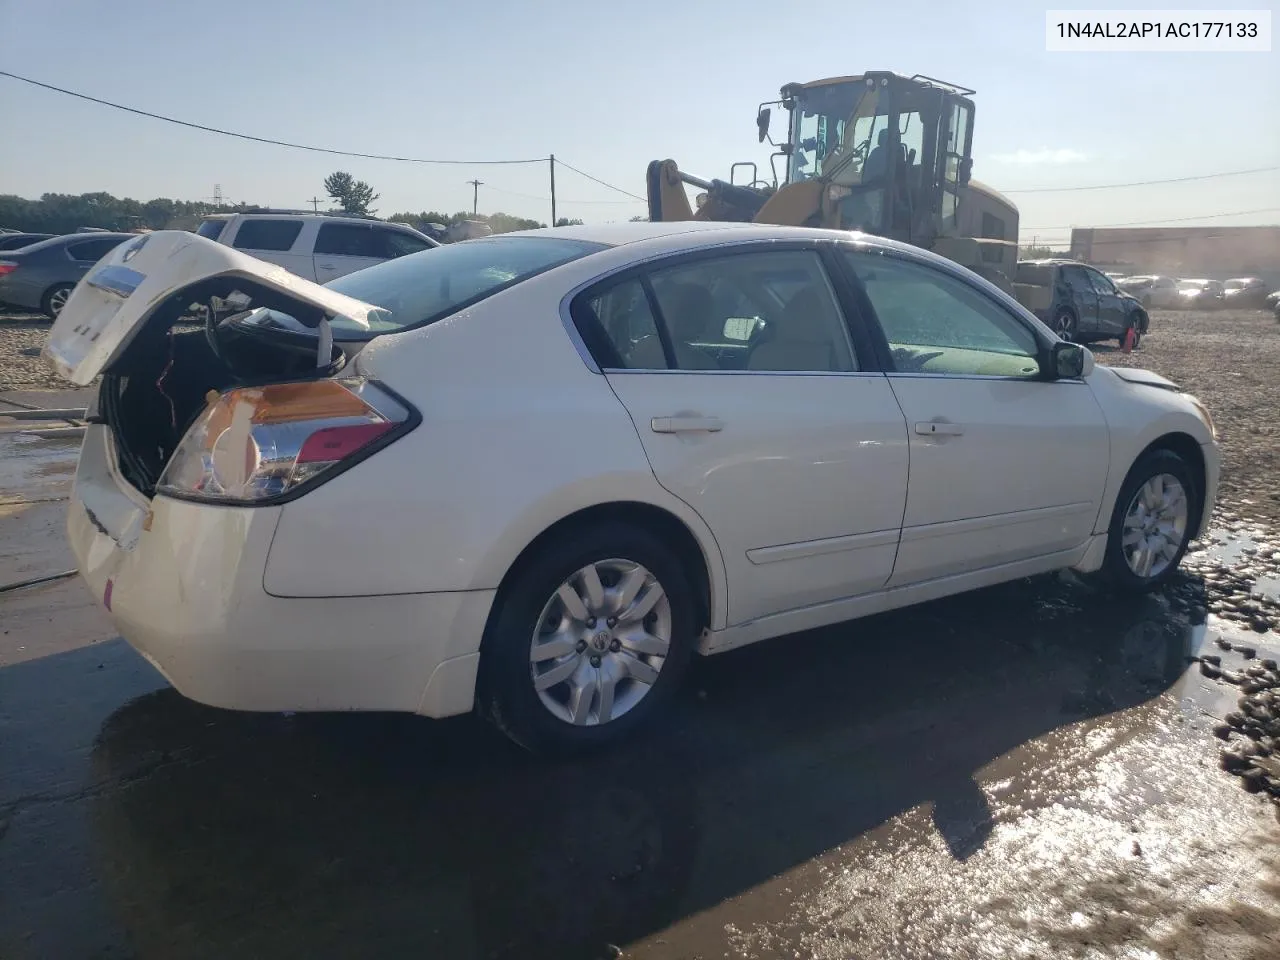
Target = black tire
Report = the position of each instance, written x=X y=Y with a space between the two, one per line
x=505 y=690
x=1064 y=324
x=1136 y=327
x=1115 y=568
x=48 y=303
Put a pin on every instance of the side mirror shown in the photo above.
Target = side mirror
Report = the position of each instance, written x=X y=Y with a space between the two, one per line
x=762 y=123
x=1070 y=361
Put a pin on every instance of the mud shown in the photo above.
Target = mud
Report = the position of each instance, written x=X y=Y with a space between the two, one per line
x=1029 y=771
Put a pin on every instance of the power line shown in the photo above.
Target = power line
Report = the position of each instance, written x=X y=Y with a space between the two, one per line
x=268 y=140
x=534 y=196
x=625 y=193
x=1143 y=223
x=1144 y=183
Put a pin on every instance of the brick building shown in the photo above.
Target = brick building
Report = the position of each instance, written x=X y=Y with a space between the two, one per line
x=1215 y=252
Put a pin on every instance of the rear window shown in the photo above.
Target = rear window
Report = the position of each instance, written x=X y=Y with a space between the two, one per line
x=1036 y=274
x=211 y=229
x=423 y=287
x=275 y=235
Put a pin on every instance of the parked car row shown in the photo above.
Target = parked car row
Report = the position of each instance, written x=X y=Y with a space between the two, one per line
x=38 y=271
x=1171 y=293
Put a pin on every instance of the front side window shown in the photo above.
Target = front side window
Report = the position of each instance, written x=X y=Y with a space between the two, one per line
x=424 y=287
x=1100 y=283
x=936 y=323
x=345 y=240
x=389 y=244
x=753 y=311
x=275 y=235
x=1077 y=279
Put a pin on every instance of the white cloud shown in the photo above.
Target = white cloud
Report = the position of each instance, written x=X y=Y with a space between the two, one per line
x=1041 y=156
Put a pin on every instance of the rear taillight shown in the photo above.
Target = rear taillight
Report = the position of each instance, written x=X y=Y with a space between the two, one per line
x=7 y=266
x=256 y=444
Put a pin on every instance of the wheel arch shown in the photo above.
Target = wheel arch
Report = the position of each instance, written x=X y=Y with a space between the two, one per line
x=699 y=554
x=1188 y=449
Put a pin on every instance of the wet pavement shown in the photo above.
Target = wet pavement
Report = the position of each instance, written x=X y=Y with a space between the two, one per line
x=1028 y=771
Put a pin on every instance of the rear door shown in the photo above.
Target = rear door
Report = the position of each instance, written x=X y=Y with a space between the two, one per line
x=1084 y=298
x=276 y=240
x=1005 y=466
x=790 y=446
x=342 y=248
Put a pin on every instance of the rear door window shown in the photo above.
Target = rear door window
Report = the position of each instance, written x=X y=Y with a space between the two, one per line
x=345 y=240
x=211 y=229
x=277 y=235
x=91 y=251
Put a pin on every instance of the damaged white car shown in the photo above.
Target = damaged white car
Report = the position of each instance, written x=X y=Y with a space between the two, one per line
x=534 y=474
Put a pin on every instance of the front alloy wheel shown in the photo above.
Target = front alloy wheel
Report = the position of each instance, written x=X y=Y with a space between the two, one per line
x=1155 y=525
x=1154 y=517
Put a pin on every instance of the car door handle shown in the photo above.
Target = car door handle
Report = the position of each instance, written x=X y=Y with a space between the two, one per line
x=326 y=266
x=686 y=424
x=931 y=428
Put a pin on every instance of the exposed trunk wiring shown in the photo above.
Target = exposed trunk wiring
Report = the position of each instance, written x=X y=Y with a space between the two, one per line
x=173 y=411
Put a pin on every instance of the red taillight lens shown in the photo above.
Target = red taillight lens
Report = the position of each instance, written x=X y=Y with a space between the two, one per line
x=7 y=266
x=258 y=443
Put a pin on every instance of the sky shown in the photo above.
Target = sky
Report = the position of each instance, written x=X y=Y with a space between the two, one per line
x=606 y=86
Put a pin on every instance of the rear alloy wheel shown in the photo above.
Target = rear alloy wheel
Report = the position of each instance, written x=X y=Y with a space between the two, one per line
x=1064 y=324
x=1152 y=522
x=589 y=640
x=55 y=299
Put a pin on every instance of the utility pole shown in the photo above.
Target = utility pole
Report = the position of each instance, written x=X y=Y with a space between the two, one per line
x=553 y=189
x=475 y=195
x=315 y=204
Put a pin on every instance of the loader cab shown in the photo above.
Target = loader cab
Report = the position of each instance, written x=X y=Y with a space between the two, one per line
x=895 y=151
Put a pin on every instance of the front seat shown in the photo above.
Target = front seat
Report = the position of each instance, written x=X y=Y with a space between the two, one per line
x=807 y=337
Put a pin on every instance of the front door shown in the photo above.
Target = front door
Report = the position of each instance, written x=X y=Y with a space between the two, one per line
x=1005 y=465
x=1111 y=306
x=744 y=386
x=1084 y=299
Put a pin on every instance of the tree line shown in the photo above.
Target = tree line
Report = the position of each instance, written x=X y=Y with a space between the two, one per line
x=66 y=213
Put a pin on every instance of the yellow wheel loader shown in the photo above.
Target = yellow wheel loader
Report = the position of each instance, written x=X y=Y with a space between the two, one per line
x=880 y=153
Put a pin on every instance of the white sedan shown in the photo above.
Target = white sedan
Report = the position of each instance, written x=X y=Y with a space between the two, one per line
x=534 y=474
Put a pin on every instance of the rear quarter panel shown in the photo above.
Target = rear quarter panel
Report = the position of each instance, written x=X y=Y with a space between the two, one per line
x=517 y=432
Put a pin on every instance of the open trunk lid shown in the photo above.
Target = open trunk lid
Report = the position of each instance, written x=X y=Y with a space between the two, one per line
x=119 y=295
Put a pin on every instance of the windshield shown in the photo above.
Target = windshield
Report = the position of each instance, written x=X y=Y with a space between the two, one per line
x=832 y=124
x=423 y=287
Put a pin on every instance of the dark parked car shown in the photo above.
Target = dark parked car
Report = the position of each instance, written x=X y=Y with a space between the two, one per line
x=15 y=241
x=1078 y=302
x=41 y=276
x=1246 y=293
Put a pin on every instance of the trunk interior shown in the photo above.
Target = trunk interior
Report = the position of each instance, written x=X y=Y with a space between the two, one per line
x=151 y=395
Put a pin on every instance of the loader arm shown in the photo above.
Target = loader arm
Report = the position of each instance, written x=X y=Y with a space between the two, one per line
x=668 y=201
